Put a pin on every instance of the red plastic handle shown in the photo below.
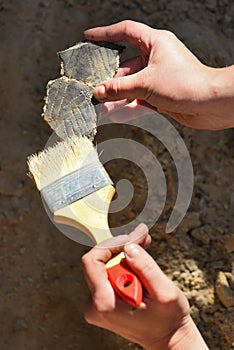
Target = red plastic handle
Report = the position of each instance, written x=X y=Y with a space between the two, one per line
x=125 y=283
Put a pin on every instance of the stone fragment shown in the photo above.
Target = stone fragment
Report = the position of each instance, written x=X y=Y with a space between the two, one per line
x=211 y=4
x=224 y=291
x=20 y=324
x=202 y=234
x=229 y=244
x=190 y=221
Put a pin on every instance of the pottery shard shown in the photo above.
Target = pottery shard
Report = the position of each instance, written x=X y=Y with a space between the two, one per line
x=224 y=291
x=68 y=108
x=90 y=62
x=69 y=103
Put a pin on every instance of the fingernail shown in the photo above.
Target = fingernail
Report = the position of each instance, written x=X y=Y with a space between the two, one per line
x=100 y=92
x=131 y=250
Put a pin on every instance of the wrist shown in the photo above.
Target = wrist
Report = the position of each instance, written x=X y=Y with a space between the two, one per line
x=218 y=103
x=184 y=338
x=187 y=337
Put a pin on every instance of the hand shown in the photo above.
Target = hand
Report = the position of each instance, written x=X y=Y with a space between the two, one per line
x=162 y=321
x=167 y=77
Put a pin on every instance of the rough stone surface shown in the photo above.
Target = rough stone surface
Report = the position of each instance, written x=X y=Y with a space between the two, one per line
x=42 y=289
x=224 y=290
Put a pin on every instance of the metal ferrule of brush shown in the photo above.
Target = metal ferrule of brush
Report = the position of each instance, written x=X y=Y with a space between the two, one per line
x=75 y=186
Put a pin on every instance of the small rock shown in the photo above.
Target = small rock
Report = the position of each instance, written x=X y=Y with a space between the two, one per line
x=20 y=324
x=190 y=221
x=204 y=297
x=202 y=234
x=211 y=4
x=41 y=328
x=229 y=244
x=224 y=291
x=22 y=249
x=230 y=278
x=197 y=283
x=201 y=298
x=191 y=265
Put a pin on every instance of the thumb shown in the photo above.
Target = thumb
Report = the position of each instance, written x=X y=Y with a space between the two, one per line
x=155 y=281
x=127 y=87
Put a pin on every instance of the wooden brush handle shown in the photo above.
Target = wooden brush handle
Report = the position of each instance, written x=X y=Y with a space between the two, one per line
x=90 y=215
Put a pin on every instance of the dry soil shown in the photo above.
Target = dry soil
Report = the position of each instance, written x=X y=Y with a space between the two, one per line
x=43 y=292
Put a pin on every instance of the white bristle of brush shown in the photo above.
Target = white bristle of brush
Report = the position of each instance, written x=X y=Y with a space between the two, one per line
x=63 y=158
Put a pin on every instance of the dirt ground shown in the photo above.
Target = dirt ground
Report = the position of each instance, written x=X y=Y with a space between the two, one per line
x=43 y=292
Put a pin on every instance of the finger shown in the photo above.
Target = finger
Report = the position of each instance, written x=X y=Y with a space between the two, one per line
x=146 y=243
x=155 y=281
x=127 y=30
x=96 y=276
x=95 y=271
x=95 y=259
x=146 y=104
x=129 y=87
x=115 y=244
x=105 y=109
x=130 y=111
x=130 y=67
x=140 y=236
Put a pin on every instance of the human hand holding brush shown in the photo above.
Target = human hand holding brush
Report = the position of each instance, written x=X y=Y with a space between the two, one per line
x=77 y=191
x=163 y=320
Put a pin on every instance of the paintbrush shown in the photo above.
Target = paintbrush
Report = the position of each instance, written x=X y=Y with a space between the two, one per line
x=77 y=191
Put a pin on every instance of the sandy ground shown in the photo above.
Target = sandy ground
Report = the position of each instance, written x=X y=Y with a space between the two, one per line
x=43 y=292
